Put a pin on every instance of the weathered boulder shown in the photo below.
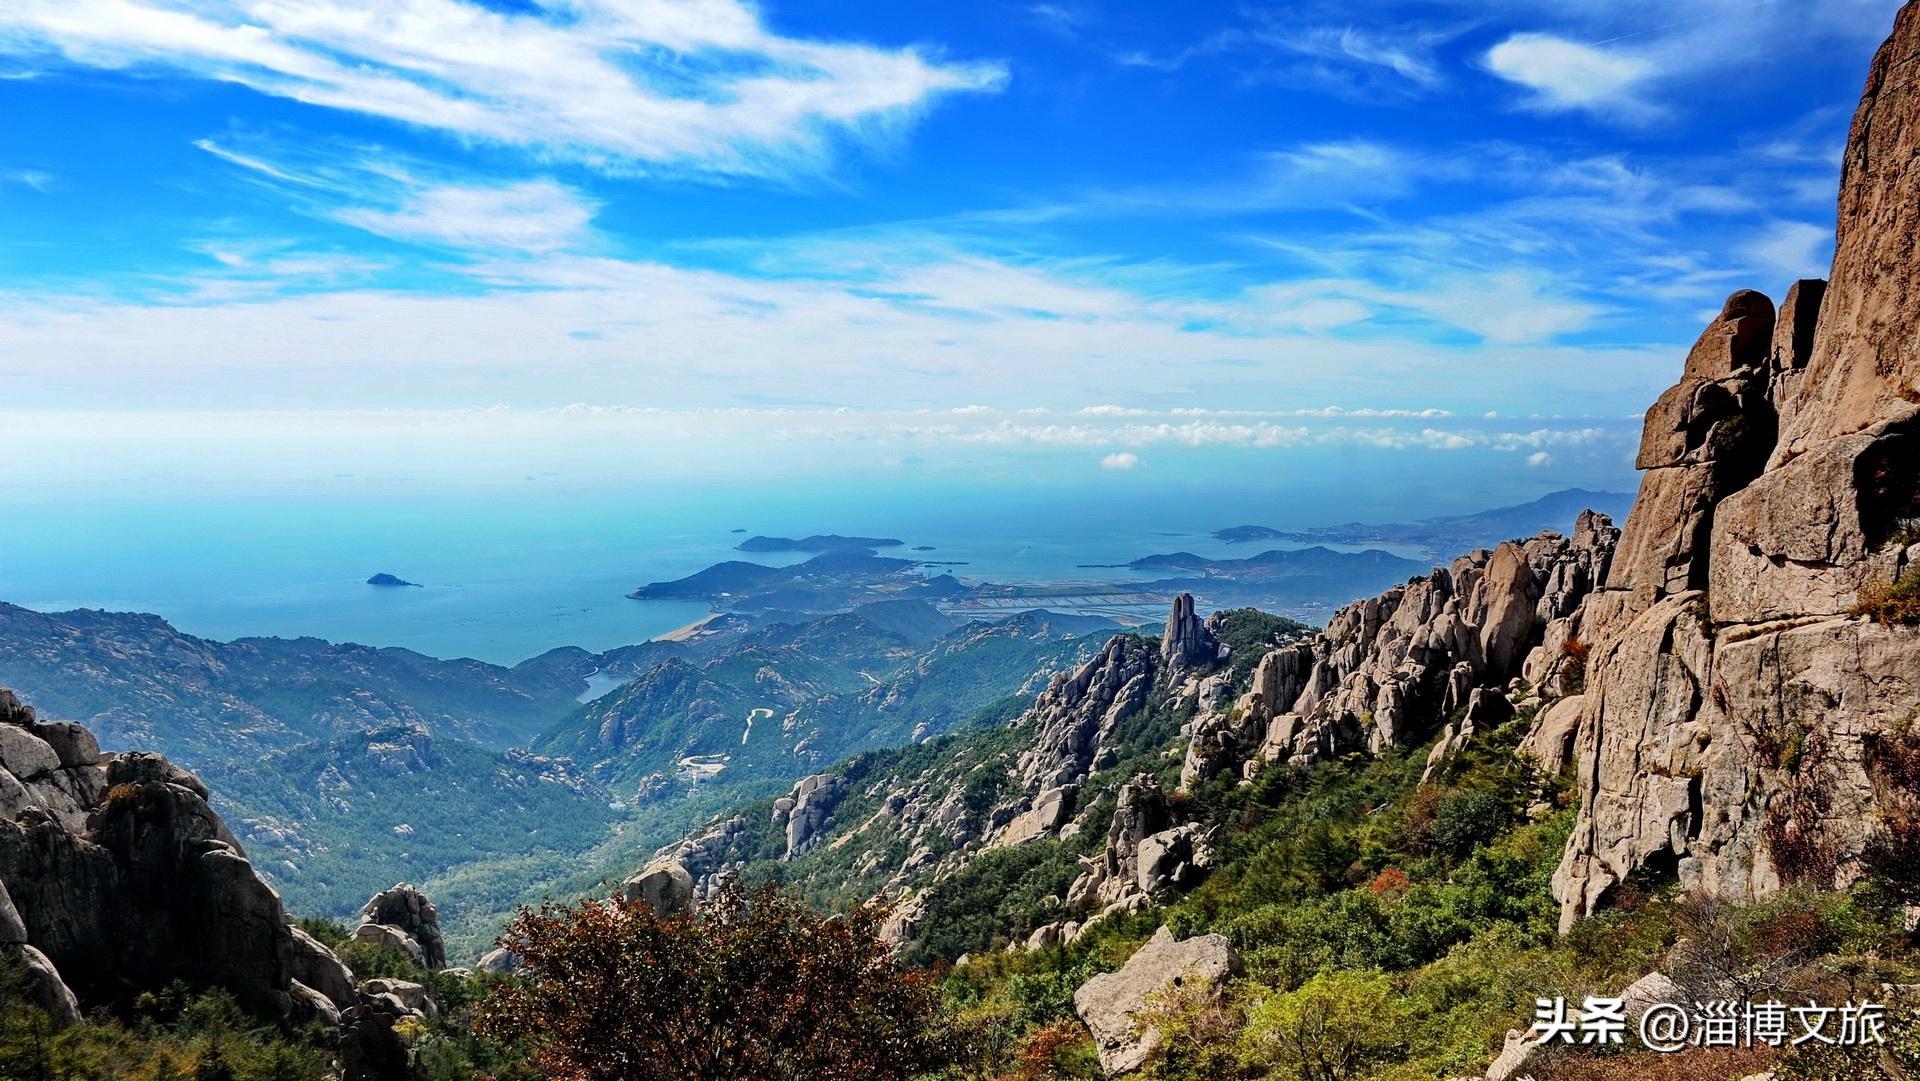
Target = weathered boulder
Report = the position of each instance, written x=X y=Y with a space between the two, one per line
x=310 y=1006
x=407 y=910
x=1115 y=1005
x=1112 y=875
x=412 y=995
x=44 y=987
x=1550 y=741
x=1171 y=859
x=387 y=936
x=663 y=886
x=371 y=1048
x=499 y=960
x=316 y=966
x=1051 y=809
x=1225 y=739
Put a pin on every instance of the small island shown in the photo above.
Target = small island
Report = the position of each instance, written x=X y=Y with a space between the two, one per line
x=385 y=579
x=819 y=542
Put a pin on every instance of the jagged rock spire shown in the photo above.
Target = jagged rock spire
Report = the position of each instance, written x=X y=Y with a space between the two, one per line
x=1187 y=640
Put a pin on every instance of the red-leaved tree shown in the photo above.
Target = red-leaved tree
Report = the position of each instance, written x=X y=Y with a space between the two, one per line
x=755 y=984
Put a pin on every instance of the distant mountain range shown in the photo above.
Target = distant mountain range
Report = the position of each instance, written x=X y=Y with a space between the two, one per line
x=1449 y=535
x=342 y=766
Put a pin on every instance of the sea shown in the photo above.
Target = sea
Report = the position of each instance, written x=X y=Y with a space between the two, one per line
x=506 y=572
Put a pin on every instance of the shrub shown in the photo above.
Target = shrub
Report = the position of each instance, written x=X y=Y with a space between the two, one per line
x=1575 y=653
x=1466 y=820
x=1336 y=1026
x=1060 y=1050
x=754 y=984
x=1895 y=602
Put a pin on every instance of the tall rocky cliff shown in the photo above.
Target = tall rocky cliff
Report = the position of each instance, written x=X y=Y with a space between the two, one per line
x=1745 y=715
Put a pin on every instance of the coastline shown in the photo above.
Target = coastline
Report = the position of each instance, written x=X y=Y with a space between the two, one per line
x=681 y=634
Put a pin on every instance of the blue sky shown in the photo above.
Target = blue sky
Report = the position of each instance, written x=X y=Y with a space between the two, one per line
x=268 y=237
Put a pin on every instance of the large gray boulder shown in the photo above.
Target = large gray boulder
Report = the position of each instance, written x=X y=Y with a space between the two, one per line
x=810 y=809
x=408 y=911
x=388 y=936
x=1114 y=1004
x=663 y=886
x=316 y=966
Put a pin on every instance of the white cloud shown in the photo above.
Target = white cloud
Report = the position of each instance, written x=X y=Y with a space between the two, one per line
x=1794 y=248
x=536 y=216
x=1120 y=460
x=1569 y=75
x=1351 y=58
x=1539 y=459
x=622 y=84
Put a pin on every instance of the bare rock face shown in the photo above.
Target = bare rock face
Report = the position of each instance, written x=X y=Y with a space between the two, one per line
x=316 y=966
x=1111 y=877
x=1224 y=739
x=1737 y=719
x=1113 y=1004
x=1387 y=670
x=371 y=1049
x=1865 y=361
x=116 y=875
x=403 y=915
x=1079 y=710
x=1187 y=641
x=810 y=810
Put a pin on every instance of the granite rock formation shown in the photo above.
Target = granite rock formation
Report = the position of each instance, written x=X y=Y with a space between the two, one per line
x=1187 y=640
x=116 y=876
x=663 y=886
x=1741 y=709
x=1390 y=670
x=1112 y=1004
x=403 y=918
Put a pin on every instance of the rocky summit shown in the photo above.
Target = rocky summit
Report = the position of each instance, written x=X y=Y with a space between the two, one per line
x=1743 y=704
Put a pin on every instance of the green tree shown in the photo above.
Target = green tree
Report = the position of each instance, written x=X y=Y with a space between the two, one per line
x=1334 y=1027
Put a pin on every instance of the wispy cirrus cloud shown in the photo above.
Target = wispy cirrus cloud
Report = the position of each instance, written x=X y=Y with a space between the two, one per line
x=684 y=85
x=534 y=216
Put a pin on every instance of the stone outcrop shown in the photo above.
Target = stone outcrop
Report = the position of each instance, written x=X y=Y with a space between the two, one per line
x=1737 y=716
x=402 y=917
x=1115 y=1005
x=808 y=809
x=1079 y=710
x=116 y=876
x=663 y=886
x=371 y=1047
x=1392 y=669
x=1187 y=641
x=499 y=960
x=44 y=987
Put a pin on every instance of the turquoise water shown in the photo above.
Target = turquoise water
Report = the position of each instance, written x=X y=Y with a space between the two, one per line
x=509 y=573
